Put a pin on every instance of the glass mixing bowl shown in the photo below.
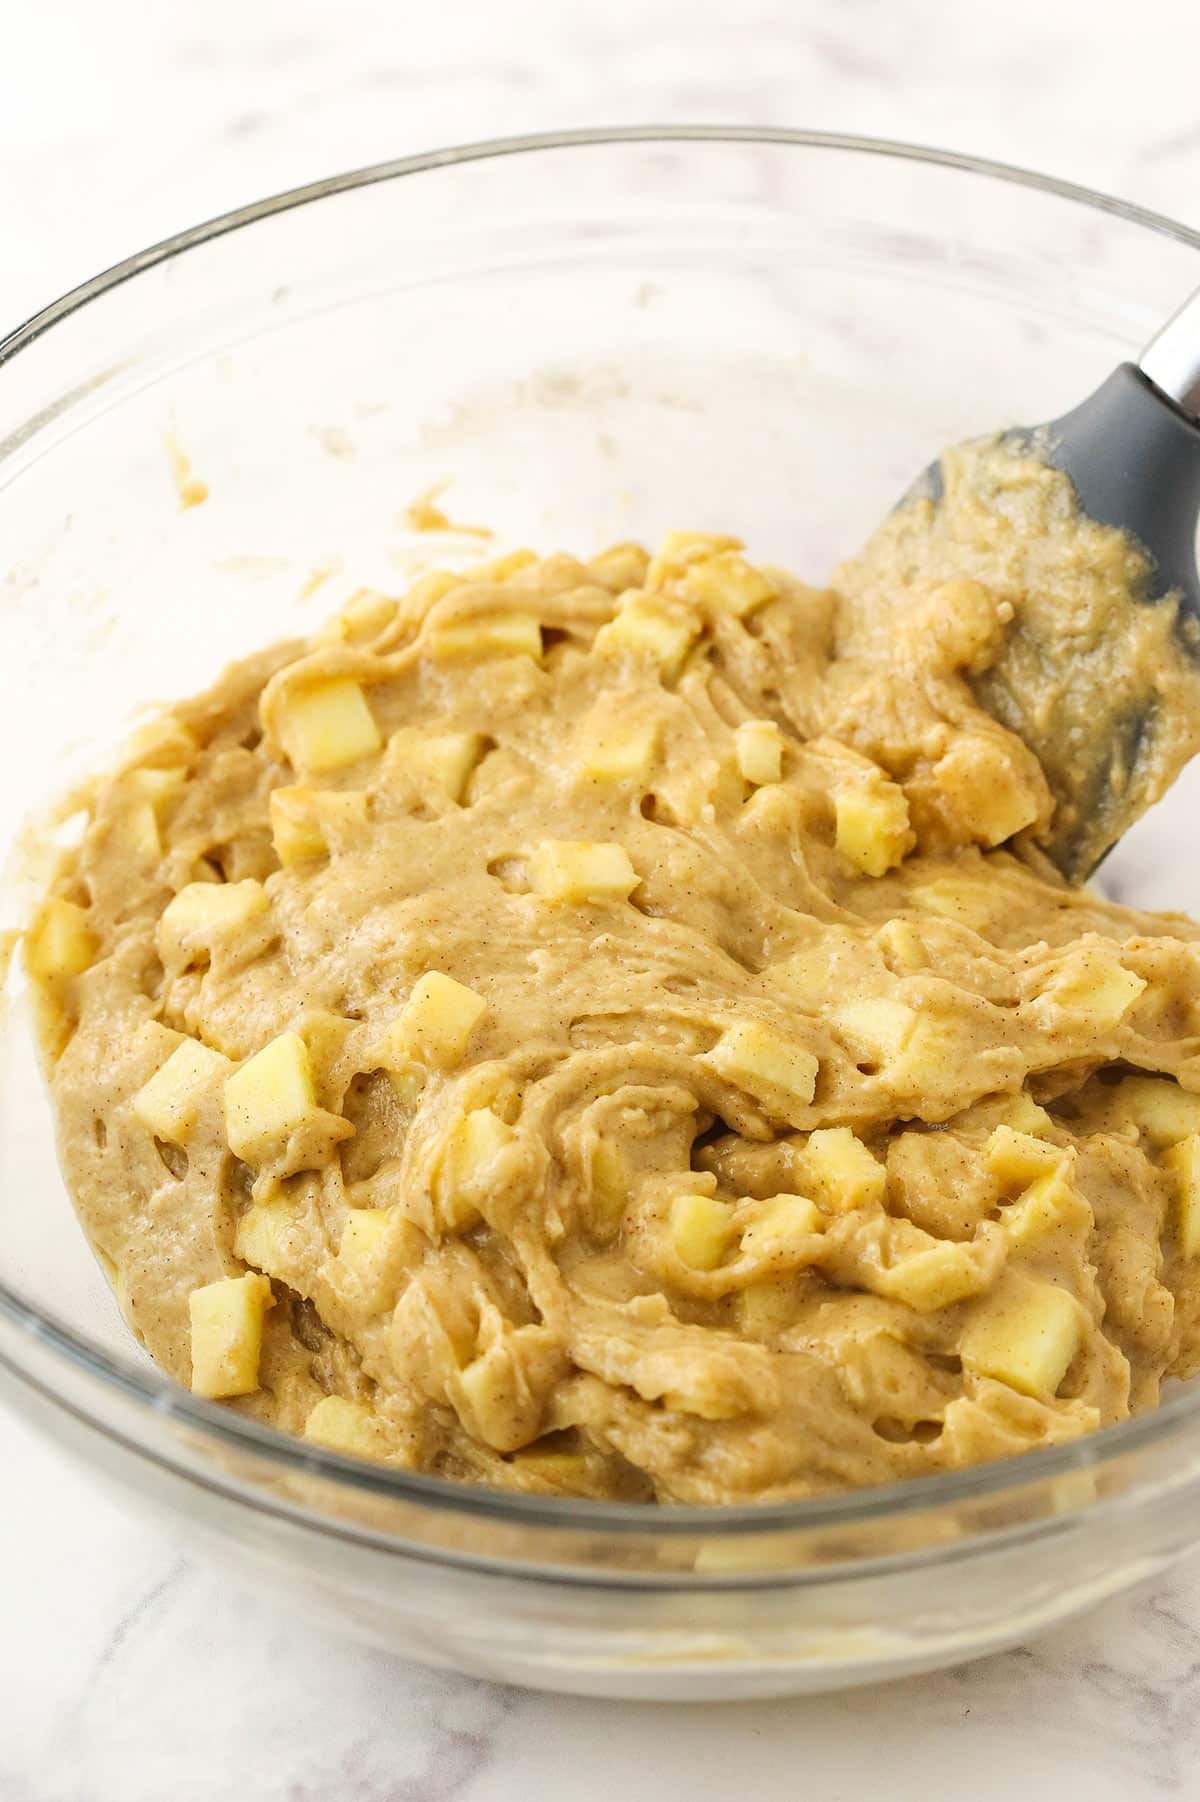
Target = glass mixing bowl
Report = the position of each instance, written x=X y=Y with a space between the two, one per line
x=590 y=337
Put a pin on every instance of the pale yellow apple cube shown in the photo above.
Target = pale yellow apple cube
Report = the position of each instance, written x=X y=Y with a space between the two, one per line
x=59 y=943
x=430 y=588
x=701 y=1230
x=949 y=899
x=879 y=1028
x=774 y=1070
x=608 y=1190
x=227 y=1331
x=1051 y=1201
x=759 y=750
x=619 y=567
x=269 y=1097
x=471 y=1147
x=501 y=568
x=364 y=616
x=1159 y=1108
x=727 y=580
x=986 y=788
x=678 y=551
x=902 y=946
x=144 y=793
x=1017 y=1159
x=841 y=1173
x=574 y=870
x=765 y=1309
x=566 y=1473
x=307 y=823
x=933 y=1278
x=873 y=831
x=494 y=635
x=1183 y=1162
x=363 y=1233
x=1096 y=989
x=438 y=1019
x=654 y=629
x=438 y=760
x=347 y=1427
x=1025 y=1116
x=263 y=1238
x=1027 y=1337
x=327 y=726
x=620 y=754
x=169 y=1104
x=777 y=1224
x=201 y=914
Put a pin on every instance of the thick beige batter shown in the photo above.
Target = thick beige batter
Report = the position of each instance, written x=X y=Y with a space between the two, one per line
x=782 y=1127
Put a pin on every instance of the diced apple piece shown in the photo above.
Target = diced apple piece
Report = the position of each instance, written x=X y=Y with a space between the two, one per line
x=727 y=580
x=1017 y=1159
x=902 y=946
x=1027 y=1337
x=227 y=1330
x=1159 y=1108
x=651 y=628
x=949 y=899
x=778 y=1223
x=880 y=1028
x=933 y=1278
x=363 y=1233
x=873 y=831
x=494 y=635
x=470 y=1149
x=269 y=1097
x=437 y=1020
x=1025 y=1116
x=575 y=871
x=619 y=567
x=487 y=1390
x=269 y=1239
x=59 y=943
x=430 y=588
x=307 y=823
x=764 y=1309
x=1096 y=989
x=501 y=568
x=1183 y=1161
x=201 y=914
x=842 y=1174
x=143 y=794
x=678 y=551
x=442 y=760
x=620 y=754
x=774 y=1070
x=701 y=1230
x=608 y=1190
x=169 y=1104
x=759 y=745
x=327 y=726
x=986 y=789
x=379 y=1247
x=566 y=1473
x=1051 y=1201
x=347 y=1427
x=364 y=616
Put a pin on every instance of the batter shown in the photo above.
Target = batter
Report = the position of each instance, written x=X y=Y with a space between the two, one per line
x=608 y=1028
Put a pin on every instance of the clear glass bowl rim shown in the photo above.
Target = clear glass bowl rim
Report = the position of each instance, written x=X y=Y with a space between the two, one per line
x=156 y=1393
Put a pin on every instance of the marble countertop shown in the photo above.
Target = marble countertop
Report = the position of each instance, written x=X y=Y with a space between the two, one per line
x=129 y=1672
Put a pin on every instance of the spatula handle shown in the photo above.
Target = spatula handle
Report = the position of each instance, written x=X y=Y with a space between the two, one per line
x=1171 y=360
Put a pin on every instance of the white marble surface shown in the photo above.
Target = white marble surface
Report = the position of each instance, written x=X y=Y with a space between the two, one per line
x=128 y=1673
